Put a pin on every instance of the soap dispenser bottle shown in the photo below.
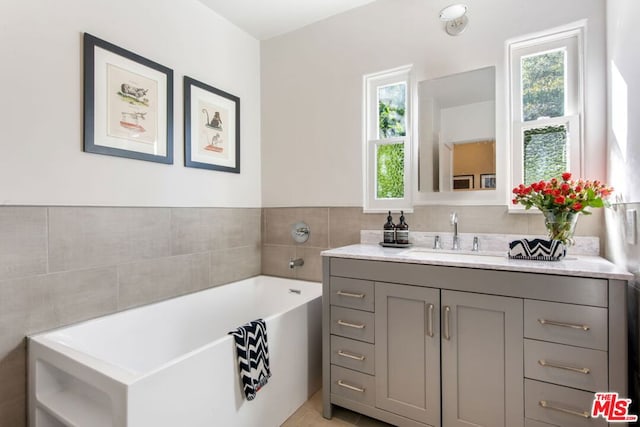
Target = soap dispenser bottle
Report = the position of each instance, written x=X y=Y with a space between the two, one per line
x=389 y=233
x=402 y=231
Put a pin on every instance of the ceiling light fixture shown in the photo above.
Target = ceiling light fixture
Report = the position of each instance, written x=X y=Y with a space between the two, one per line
x=455 y=18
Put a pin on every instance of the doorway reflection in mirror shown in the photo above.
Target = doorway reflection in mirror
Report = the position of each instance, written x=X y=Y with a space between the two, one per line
x=457 y=132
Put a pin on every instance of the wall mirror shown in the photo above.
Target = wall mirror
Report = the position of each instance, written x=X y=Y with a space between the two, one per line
x=457 y=132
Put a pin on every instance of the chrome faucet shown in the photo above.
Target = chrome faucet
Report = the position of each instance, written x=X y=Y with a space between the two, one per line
x=293 y=263
x=475 y=247
x=454 y=222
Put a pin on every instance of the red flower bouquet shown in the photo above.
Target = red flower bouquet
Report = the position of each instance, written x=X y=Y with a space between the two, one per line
x=561 y=200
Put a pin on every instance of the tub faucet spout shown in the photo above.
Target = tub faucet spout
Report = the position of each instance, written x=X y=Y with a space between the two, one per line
x=298 y=262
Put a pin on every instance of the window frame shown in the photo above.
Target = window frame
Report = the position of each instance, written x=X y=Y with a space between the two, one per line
x=371 y=140
x=572 y=40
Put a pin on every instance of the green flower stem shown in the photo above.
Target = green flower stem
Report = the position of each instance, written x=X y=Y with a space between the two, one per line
x=561 y=225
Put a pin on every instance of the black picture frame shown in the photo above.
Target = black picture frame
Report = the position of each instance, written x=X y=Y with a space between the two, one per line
x=211 y=127
x=463 y=182
x=488 y=180
x=115 y=119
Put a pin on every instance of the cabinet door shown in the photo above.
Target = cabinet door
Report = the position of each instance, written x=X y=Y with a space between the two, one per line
x=482 y=374
x=407 y=351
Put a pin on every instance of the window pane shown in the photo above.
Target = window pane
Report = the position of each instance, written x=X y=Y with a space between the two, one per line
x=392 y=106
x=390 y=171
x=545 y=153
x=543 y=85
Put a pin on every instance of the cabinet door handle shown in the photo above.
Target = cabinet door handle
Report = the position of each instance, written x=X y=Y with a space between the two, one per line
x=350 y=295
x=546 y=364
x=350 y=387
x=446 y=315
x=351 y=356
x=430 y=320
x=351 y=325
x=563 y=324
x=546 y=405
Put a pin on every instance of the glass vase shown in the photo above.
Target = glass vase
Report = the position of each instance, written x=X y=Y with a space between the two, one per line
x=561 y=225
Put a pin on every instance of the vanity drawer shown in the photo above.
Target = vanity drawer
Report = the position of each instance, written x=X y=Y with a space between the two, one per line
x=352 y=293
x=352 y=354
x=557 y=405
x=353 y=385
x=350 y=323
x=533 y=423
x=578 y=325
x=576 y=367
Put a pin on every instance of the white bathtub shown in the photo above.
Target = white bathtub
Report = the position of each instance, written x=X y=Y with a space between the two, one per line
x=172 y=363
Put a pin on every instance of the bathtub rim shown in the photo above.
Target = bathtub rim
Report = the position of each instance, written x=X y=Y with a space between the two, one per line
x=126 y=376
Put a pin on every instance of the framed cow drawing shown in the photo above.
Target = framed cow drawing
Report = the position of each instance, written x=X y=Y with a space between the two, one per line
x=128 y=103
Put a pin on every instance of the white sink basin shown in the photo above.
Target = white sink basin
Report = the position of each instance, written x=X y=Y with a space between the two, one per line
x=451 y=255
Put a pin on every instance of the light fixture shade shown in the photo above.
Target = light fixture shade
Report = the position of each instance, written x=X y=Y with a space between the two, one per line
x=454 y=11
x=455 y=18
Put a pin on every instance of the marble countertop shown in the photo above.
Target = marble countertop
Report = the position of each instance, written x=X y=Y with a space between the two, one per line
x=572 y=265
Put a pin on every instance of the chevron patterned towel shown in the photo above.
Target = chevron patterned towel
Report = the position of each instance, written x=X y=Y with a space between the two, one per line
x=537 y=249
x=253 y=356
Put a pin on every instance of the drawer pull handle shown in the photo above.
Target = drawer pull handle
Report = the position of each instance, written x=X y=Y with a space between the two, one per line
x=349 y=294
x=350 y=387
x=351 y=325
x=447 y=315
x=430 y=320
x=351 y=356
x=546 y=364
x=546 y=405
x=564 y=325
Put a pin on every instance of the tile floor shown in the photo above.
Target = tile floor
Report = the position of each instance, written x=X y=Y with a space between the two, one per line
x=310 y=415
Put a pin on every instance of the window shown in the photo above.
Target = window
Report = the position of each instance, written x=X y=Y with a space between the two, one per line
x=546 y=105
x=387 y=141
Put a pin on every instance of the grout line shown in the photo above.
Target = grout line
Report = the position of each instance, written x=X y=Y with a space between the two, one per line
x=171 y=229
x=118 y=304
x=47 y=238
x=328 y=226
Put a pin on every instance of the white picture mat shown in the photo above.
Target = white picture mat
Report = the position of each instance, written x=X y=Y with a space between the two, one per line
x=103 y=57
x=228 y=159
x=139 y=113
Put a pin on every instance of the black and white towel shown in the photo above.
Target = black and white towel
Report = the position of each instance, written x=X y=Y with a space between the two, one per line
x=537 y=249
x=253 y=356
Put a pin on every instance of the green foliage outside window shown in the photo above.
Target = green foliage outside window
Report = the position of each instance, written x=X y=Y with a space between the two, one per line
x=391 y=110
x=391 y=120
x=543 y=85
x=545 y=153
x=543 y=95
x=390 y=171
x=390 y=157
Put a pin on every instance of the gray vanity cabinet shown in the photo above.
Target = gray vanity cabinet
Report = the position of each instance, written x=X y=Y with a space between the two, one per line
x=481 y=360
x=407 y=351
x=477 y=346
x=419 y=345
